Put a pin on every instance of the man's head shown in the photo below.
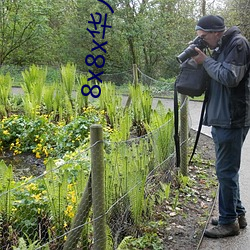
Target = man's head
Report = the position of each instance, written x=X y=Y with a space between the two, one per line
x=211 y=28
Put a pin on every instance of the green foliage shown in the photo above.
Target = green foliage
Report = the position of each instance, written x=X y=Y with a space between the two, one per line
x=5 y=89
x=29 y=245
x=33 y=85
x=6 y=184
x=48 y=98
x=81 y=100
x=164 y=191
x=128 y=161
x=43 y=137
x=161 y=126
x=68 y=73
x=141 y=104
x=56 y=187
x=113 y=108
x=30 y=206
x=126 y=172
x=147 y=241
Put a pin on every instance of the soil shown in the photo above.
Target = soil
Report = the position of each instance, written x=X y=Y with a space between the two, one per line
x=186 y=223
x=24 y=164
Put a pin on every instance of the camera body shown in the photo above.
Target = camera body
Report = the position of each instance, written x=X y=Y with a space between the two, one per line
x=190 y=51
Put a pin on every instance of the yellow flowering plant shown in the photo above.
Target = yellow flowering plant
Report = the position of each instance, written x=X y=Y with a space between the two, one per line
x=44 y=137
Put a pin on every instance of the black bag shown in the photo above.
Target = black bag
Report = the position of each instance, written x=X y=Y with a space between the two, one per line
x=192 y=80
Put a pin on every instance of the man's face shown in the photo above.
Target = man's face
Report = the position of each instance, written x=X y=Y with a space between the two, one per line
x=211 y=38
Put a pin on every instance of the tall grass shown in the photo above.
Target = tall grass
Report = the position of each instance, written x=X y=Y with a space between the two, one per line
x=5 y=90
x=161 y=128
x=33 y=85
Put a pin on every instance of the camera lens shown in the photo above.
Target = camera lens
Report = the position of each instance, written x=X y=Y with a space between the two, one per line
x=187 y=53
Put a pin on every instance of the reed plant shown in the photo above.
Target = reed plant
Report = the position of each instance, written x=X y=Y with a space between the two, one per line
x=56 y=187
x=58 y=102
x=141 y=105
x=48 y=97
x=5 y=90
x=110 y=102
x=161 y=132
x=126 y=172
x=6 y=184
x=81 y=101
x=34 y=80
x=68 y=74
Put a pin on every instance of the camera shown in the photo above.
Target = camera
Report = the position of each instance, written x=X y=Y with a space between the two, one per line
x=190 y=51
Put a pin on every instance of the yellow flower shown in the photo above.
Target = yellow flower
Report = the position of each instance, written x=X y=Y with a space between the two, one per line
x=37 y=196
x=14 y=209
x=38 y=155
x=69 y=211
x=73 y=199
x=31 y=187
x=6 y=132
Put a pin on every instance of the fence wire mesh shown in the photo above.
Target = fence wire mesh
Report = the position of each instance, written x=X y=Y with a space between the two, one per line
x=42 y=209
x=45 y=210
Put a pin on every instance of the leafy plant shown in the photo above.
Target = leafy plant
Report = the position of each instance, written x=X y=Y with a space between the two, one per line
x=161 y=126
x=22 y=245
x=147 y=241
x=5 y=89
x=81 y=101
x=68 y=74
x=48 y=98
x=141 y=104
x=112 y=107
x=33 y=85
x=164 y=192
x=6 y=184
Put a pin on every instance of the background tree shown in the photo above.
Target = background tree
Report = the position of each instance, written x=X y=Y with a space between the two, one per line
x=149 y=33
x=21 y=26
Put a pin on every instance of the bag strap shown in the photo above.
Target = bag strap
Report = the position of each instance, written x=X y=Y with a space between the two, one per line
x=199 y=127
x=176 y=126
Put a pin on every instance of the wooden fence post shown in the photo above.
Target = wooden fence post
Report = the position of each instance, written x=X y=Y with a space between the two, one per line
x=98 y=194
x=135 y=74
x=135 y=81
x=80 y=218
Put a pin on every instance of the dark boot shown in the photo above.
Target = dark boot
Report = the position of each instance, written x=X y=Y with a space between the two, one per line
x=241 y=219
x=221 y=231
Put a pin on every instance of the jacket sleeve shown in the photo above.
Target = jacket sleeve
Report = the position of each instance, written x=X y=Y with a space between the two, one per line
x=234 y=66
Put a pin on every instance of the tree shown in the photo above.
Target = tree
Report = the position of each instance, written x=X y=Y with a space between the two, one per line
x=21 y=21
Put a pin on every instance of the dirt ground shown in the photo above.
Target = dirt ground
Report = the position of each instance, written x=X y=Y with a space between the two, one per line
x=187 y=222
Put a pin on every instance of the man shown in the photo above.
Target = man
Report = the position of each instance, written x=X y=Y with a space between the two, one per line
x=228 y=112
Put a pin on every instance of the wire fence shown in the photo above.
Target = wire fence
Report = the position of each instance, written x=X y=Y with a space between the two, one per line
x=43 y=209
x=55 y=210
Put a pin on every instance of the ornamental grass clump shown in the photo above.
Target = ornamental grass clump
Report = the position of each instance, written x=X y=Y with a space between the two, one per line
x=33 y=85
x=141 y=106
x=5 y=90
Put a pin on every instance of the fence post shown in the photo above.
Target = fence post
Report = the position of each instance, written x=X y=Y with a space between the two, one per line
x=135 y=81
x=135 y=74
x=98 y=195
x=184 y=135
x=80 y=218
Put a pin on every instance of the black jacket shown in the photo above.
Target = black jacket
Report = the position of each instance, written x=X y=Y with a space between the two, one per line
x=229 y=90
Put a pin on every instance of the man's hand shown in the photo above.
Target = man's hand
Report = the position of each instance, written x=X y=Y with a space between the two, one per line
x=200 y=58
